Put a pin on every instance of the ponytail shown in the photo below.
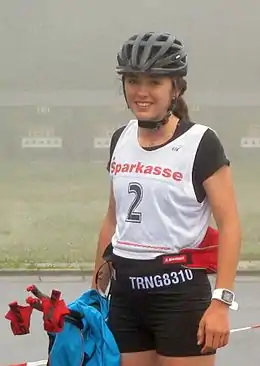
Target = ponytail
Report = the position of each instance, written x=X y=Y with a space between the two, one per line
x=180 y=108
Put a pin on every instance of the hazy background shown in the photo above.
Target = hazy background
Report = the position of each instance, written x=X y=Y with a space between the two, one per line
x=60 y=100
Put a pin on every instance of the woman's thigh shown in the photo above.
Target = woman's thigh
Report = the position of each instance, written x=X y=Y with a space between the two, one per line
x=146 y=358
x=173 y=317
x=175 y=330
x=186 y=361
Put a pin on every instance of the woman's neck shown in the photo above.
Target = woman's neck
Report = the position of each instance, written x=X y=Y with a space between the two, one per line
x=148 y=138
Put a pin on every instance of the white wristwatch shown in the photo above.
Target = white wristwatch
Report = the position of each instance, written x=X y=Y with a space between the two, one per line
x=226 y=296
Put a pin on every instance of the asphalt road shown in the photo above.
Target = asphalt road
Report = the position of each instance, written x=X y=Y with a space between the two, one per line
x=243 y=349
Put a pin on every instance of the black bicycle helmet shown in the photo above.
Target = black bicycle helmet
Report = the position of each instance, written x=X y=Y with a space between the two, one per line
x=153 y=53
x=157 y=53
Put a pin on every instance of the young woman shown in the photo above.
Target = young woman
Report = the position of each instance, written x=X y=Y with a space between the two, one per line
x=168 y=176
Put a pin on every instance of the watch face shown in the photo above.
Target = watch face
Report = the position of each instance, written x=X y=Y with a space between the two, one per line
x=227 y=296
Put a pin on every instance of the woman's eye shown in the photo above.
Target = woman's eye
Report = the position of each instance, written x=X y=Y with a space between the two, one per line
x=132 y=81
x=155 y=82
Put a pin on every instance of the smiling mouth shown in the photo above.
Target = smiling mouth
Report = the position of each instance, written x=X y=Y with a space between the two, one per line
x=143 y=105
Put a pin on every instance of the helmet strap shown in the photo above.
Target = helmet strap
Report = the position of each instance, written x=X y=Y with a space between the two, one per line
x=155 y=125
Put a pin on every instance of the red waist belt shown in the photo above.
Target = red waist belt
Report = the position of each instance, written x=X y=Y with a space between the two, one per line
x=205 y=256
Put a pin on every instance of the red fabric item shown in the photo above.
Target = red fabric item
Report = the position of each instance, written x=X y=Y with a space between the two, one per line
x=206 y=254
x=54 y=311
x=210 y=239
x=20 y=317
x=36 y=292
x=34 y=303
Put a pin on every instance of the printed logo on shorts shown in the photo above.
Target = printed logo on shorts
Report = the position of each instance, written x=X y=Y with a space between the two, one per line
x=161 y=280
x=172 y=259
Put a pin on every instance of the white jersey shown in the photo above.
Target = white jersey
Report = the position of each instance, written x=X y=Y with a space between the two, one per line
x=157 y=211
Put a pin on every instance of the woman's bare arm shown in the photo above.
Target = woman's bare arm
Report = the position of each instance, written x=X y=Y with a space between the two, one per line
x=220 y=192
x=105 y=235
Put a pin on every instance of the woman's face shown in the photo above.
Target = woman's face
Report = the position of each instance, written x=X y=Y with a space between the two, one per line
x=148 y=96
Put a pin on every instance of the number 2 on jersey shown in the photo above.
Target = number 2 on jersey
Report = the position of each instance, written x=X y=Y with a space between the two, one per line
x=132 y=215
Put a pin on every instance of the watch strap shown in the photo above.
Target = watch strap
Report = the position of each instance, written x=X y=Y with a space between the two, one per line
x=217 y=294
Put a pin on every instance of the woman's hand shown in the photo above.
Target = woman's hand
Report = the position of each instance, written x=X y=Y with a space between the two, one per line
x=214 y=329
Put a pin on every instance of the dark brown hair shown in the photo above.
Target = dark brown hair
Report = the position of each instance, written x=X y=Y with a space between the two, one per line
x=181 y=109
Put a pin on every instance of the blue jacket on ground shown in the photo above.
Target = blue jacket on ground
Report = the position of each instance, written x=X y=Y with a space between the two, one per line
x=94 y=343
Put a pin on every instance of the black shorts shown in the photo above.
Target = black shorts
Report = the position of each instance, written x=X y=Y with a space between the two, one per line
x=157 y=307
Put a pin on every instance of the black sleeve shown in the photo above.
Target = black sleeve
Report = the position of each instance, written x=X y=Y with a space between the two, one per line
x=210 y=157
x=113 y=142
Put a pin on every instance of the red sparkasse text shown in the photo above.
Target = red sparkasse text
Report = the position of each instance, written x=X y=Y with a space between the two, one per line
x=141 y=168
